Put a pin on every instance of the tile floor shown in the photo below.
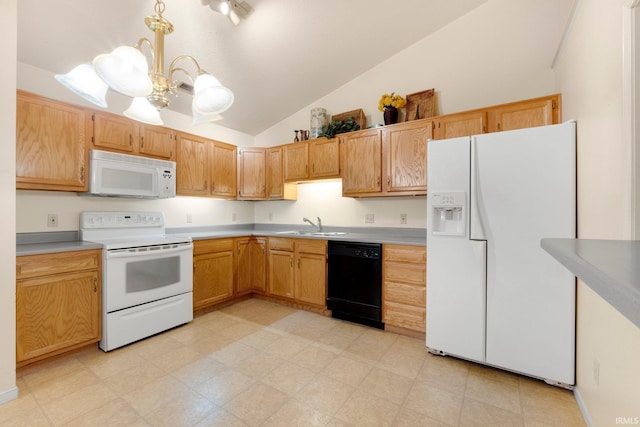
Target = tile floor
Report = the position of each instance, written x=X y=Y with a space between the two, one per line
x=260 y=363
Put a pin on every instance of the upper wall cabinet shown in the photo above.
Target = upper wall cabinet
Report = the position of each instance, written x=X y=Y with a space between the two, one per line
x=525 y=114
x=205 y=167
x=252 y=174
x=314 y=159
x=391 y=161
x=117 y=133
x=460 y=124
x=51 y=144
x=276 y=187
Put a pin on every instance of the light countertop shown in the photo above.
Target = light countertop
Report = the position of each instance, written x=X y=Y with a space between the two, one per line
x=42 y=243
x=610 y=267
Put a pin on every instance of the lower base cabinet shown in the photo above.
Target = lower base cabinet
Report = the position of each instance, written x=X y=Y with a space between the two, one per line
x=250 y=265
x=58 y=303
x=213 y=269
x=298 y=270
x=404 y=279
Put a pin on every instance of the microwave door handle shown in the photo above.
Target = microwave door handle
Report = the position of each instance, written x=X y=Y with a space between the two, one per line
x=134 y=254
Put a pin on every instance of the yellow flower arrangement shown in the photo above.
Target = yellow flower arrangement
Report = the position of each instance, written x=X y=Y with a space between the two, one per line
x=395 y=101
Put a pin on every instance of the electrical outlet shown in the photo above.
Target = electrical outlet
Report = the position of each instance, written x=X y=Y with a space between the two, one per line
x=270 y=216
x=596 y=371
x=234 y=216
x=369 y=218
x=403 y=218
x=52 y=220
x=189 y=218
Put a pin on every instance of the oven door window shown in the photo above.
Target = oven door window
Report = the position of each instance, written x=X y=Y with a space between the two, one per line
x=138 y=276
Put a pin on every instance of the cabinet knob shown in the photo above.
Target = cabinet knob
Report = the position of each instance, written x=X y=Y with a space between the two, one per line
x=95 y=285
x=298 y=263
x=142 y=142
x=82 y=173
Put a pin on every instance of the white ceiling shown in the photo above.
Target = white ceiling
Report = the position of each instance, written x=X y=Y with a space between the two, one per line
x=287 y=54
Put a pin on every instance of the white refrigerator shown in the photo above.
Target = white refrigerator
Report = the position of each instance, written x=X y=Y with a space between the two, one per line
x=493 y=295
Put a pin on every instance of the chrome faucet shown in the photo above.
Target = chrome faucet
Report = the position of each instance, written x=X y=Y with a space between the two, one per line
x=319 y=225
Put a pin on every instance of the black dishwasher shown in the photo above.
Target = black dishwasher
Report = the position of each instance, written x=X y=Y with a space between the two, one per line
x=355 y=282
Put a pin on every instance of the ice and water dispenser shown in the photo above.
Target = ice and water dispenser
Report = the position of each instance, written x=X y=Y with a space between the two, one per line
x=449 y=214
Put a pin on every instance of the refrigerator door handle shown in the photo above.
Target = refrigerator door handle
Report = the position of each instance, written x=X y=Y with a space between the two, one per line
x=476 y=230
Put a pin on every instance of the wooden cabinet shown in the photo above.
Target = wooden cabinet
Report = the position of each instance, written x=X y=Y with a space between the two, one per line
x=386 y=162
x=281 y=272
x=112 y=132
x=222 y=169
x=515 y=115
x=460 y=124
x=277 y=189
x=404 y=281
x=213 y=268
x=296 y=161
x=404 y=151
x=525 y=114
x=310 y=281
x=324 y=158
x=205 y=167
x=361 y=153
x=51 y=144
x=156 y=141
x=297 y=270
x=314 y=159
x=250 y=265
x=252 y=174
x=58 y=303
x=192 y=166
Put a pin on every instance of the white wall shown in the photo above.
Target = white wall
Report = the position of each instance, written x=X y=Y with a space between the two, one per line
x=495 y=54
x=589 y=75
x=8 y=35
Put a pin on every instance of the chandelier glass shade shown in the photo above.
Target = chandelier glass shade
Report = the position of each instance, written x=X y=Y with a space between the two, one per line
x=125 y=70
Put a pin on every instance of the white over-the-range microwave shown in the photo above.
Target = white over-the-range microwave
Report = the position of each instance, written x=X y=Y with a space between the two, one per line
x=123 y=175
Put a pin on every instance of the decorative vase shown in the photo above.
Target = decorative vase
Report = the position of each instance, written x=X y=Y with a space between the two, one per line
x=318 y=121
x=390 y=115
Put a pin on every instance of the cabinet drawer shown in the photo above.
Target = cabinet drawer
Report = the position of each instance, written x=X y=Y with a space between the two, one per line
x=312 y=246
x=415 y=254
x=404 y=273
x=405 y=316
x=213 y=245
x=415 y=295
x=61 y=262
x=281 y=244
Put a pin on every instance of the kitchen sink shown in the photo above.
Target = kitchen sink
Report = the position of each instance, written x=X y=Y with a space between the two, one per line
x=313 y=233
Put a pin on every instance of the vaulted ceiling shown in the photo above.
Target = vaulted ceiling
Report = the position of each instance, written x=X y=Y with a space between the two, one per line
x=284 y=56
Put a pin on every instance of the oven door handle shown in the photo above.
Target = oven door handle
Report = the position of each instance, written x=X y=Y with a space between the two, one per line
x=126 y=253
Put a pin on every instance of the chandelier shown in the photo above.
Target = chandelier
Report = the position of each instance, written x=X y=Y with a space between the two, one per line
x=125 y=70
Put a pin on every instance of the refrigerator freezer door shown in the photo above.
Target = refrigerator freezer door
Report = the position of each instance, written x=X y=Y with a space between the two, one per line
x=456 y=266
x=526 y=181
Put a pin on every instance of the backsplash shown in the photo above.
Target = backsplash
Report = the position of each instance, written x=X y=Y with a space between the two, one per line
x=323 y=199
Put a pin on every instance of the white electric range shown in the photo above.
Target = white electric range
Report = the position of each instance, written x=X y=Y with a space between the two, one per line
x=147 y=277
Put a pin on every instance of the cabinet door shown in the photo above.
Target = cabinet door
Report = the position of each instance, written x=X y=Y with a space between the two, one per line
x=311 y=278
x=252 y=171
x=192 y=166
x=212 y=278
x=275 y=177
x=296 y=161
x=244 y=266
x=259 y=264
x=281 y=273
x=361 y=163
x=115 y=133
x=518 y=115
x=463 y=124
x=51 y=145
x=324 y=157
x=156 y=141
x=223 y=170
x=405 y=152
x=56 y=312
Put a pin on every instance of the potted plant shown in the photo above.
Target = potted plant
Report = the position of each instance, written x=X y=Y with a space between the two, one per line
x=389 y=105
